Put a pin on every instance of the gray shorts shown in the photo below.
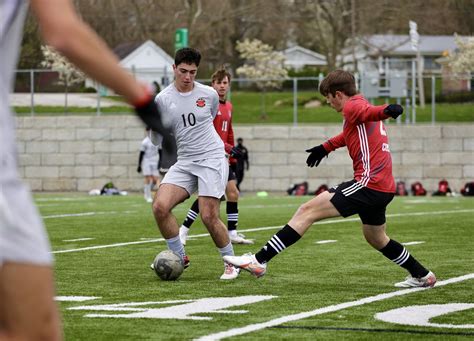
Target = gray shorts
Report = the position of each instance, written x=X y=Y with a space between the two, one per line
x=208 y=176
x=23 y=237
x=150 y=167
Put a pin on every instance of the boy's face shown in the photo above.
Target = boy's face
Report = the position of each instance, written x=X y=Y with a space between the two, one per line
x=222 y=87
x=337 y=101
x=184 y=76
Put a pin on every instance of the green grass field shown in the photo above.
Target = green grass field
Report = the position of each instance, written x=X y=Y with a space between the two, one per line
x=103 y=247
x=248 y=109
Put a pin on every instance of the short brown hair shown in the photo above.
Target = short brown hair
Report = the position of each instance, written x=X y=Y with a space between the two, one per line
x=220 y=74
x=338 y=80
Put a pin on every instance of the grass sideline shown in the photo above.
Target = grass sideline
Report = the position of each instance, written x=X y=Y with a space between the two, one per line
x=279 y=109
x=305 y=277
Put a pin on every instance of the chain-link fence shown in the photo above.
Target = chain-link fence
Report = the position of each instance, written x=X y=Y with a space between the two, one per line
x=39 y=92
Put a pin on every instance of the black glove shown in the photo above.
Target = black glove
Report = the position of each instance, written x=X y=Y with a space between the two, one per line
x=235 y=152
x=139 y=169
x=149 y=114
x=393 y=110
x=317 y=154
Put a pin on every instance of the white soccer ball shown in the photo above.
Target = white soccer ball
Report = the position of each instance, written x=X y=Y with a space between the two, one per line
x=168 y=265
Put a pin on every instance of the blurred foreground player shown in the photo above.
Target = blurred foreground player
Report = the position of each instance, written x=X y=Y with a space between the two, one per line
x=27 y=307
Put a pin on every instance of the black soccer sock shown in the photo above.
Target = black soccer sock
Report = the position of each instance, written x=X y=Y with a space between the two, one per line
x=192 y=214
x=281 y=240
x=232 y=215
x=397 y=253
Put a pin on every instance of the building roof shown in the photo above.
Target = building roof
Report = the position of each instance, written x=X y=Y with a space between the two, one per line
x=298 y=56
x=124 y=49
x=393 y=44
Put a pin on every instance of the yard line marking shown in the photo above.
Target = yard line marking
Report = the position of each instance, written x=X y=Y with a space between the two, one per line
x=334 y=221
x=85 y=214
x=77 y=239
x=329 y=309
x=413 y=243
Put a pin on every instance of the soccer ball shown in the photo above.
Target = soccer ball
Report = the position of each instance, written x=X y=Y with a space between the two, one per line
x=168 y=265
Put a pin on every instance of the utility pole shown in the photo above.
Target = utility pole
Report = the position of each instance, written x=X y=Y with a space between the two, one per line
x=415 y=39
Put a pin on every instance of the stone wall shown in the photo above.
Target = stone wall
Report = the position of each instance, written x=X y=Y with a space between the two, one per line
x=81 y=153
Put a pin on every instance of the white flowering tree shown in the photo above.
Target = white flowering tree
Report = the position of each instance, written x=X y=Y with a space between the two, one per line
x=68 y=73
x=262 y=64
x=462 y=61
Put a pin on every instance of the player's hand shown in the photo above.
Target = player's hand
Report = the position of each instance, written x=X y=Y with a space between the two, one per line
x=139 y=169
x=235 y=152
x=317 y=154
x=393 y=110
x=148 y=112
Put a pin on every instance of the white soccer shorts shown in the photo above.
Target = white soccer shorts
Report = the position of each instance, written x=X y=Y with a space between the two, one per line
x=23 y=238
x=150 y=167
x=208 y=176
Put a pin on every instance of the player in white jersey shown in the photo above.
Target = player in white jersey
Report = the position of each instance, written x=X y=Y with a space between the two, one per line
x=148 y=165
x=27 y=307
x=189 y=108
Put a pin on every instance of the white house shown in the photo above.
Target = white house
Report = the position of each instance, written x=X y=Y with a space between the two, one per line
x=298 y=57
x=147 y=61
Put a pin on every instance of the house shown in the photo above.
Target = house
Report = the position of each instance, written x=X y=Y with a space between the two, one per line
x=146 y=60
x=393 y=51
x=298 y=57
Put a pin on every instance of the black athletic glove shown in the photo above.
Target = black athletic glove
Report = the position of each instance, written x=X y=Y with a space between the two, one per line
x=317 y=154
x=235 y=152
x=393 y=110
x=148 y=112
x=139 y=169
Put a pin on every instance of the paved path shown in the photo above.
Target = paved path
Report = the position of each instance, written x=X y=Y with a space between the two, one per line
x=58 y=99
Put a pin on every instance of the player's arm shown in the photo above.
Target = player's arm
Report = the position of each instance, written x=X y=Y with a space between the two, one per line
x=140 y=159
x=361 y=111
x=62 y=29
x=233 y=151
x=317 y=153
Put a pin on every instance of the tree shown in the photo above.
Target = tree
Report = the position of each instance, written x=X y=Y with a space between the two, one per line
x=262 y=64
x=462 y=61
x=68 y=73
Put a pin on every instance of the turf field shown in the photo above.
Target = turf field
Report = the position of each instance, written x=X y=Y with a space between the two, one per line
x=329 y=286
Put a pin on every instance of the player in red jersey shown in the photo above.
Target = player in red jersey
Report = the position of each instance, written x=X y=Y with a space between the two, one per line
x=367 y=195
x=223 y=125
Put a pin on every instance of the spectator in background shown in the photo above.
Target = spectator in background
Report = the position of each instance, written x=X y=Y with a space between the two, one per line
x=148 y=165
x=242 y=162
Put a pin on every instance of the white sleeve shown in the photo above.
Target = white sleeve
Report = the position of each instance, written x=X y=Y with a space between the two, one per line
x=143 y=146
x=214 y=104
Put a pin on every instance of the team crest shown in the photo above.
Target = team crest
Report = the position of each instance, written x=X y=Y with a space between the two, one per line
x=201 y=102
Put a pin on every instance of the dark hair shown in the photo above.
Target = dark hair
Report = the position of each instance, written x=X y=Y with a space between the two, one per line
x=220 y=74
x=338 y=80
x=187 y=55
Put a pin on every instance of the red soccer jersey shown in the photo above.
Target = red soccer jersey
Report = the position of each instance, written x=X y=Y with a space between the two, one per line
x=223 y=126
x=367 y=142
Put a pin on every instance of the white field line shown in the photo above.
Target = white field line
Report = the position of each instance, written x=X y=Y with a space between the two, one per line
x=78 y=239
x=85 y=214
x=329 y=309
x=335 y=221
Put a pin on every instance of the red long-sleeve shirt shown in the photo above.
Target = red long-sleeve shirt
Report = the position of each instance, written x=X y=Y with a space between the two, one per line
x=223 y=125
x=367 y=142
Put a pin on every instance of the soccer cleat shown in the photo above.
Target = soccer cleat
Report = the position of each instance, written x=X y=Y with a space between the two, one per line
x=149 y=200
x=411 y=282
x=230 y=271
x=183 y=234
x=249 y=263
x=186 y=263
x=239 y=239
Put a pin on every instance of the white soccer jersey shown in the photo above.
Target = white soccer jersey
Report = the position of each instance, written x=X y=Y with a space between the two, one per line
x=12 y=14
x=190 y=115
x=150 y=150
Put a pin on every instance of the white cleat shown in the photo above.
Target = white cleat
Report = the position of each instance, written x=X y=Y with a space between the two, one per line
x=230 y=272
x=149 y=200
x=239 y=239
x=183 y=234
x=249 y=263
x=411 y=282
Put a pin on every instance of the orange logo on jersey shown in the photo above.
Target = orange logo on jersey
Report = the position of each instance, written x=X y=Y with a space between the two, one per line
x=201 y=102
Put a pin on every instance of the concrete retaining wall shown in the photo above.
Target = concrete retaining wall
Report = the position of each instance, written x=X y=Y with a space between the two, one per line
x=81 y=153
